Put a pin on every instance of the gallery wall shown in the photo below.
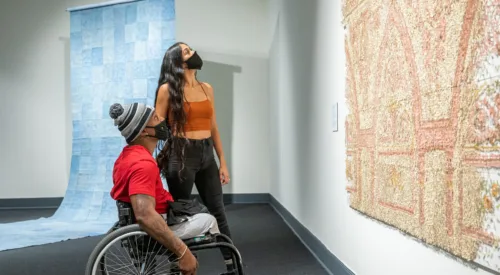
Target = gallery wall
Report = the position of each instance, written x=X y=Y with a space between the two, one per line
x=307 y=72
x=34 y=88
x=243 y=117
x=34 y=72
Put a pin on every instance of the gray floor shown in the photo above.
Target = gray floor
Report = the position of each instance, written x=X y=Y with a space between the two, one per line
x=266 y=243
x=17 y=215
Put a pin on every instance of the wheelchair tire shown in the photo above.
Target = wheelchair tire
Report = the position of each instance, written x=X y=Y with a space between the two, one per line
x=92 y=261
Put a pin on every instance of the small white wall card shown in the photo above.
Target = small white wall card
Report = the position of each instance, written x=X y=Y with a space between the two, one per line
x=335 y=116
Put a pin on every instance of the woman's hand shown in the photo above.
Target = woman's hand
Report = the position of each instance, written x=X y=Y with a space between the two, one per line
x=224 y=175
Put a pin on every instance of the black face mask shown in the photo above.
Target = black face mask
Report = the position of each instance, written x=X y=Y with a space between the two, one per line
x=161 y=130
x=194 y=62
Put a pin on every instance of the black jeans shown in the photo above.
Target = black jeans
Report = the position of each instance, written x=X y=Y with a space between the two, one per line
x=201 y=169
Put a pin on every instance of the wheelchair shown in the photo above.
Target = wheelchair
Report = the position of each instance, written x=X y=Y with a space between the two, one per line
x=142 y=255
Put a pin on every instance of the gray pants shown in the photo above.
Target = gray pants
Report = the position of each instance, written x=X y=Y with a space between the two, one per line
x=196 y=225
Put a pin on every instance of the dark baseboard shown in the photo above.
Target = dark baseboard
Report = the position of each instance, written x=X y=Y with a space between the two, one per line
x=30 y=203
x=243 y=198
x=329 y=261
x=247 y=198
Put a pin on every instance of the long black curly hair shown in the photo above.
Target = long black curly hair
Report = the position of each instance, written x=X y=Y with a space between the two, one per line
x=172 y=73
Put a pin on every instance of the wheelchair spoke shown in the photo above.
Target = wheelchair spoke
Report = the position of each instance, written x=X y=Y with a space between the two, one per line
x=157 y=266
x=120 y=261
x=151 y=264
x=118 y=270
x=137 y=254
x=167 y=266
x=129 y=259
x=123 y=261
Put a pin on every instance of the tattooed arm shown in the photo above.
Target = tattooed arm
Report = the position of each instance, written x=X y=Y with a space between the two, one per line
x=154 y=224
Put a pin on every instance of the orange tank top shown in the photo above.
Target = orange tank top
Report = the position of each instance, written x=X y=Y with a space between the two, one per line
x=198 y=116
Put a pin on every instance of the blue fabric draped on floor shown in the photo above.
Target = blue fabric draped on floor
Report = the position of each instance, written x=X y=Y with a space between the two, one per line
x=116 y=54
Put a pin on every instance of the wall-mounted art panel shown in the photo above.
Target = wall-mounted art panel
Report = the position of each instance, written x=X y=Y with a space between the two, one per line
x=423 y=128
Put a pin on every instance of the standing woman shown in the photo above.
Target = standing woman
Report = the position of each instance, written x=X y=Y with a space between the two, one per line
x=187 y=156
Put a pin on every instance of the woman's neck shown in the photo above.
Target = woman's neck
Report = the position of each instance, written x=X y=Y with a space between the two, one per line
x=189 y=76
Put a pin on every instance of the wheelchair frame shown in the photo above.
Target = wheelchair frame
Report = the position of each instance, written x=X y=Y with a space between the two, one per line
x=126 y=225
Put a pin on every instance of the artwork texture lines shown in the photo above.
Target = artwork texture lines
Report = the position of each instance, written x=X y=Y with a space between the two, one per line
x=423 y=128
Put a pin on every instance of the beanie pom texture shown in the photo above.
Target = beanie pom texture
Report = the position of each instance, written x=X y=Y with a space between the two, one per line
x=115 y=110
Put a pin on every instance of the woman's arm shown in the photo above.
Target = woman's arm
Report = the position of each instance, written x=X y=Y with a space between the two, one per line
x=162 y=101
x=216 y=137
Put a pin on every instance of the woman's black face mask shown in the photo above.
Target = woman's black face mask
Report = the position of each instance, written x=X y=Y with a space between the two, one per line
x=194 y=62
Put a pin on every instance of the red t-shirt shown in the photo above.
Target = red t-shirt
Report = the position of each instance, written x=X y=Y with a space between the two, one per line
x=136 y=172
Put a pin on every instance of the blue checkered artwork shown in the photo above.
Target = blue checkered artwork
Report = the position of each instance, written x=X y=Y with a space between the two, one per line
x=116 y=54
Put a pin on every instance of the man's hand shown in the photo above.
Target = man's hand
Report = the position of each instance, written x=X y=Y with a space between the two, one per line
x=188 y=263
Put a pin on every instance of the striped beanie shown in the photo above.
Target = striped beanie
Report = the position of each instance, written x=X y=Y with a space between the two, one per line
x=131 y=119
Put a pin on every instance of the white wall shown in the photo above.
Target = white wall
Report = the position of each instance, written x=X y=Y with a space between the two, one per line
x=224 y=26
x=34 y=87
x=243 y=118
x=306 y=77
x=235 y=34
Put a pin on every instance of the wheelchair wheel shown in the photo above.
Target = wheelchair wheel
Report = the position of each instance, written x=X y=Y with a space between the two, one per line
x=129 y=250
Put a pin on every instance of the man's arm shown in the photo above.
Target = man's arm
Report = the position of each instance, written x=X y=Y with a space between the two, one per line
x=142 y=196
x=154 y=224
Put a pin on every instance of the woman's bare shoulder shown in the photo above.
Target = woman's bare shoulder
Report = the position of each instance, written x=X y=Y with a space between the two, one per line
x=206 y=85
x=208 y=88
x=164 y=87
x=163 y=91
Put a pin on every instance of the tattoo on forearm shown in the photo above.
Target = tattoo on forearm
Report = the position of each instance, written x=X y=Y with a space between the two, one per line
x=165 y=236
x=154 y=224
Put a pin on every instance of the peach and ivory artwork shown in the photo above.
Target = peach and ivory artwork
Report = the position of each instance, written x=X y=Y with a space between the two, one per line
x=423 y=126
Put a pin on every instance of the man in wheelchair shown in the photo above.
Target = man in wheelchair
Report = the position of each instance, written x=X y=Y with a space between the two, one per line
x=136 y=180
